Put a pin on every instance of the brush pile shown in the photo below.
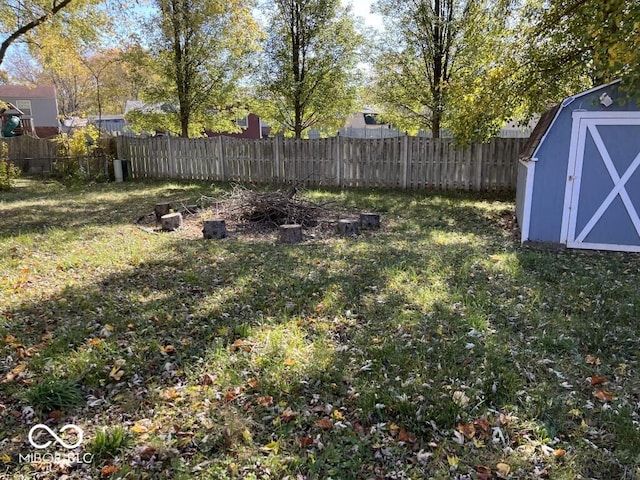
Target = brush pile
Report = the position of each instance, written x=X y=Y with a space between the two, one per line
x=270 y=209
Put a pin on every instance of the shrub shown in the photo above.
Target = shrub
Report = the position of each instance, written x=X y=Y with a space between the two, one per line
x=8 y=171
x=76 y=151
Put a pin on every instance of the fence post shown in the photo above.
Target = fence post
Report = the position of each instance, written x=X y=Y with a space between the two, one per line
x=170 y=159
x=276 y=157
x=338 y=160
x=223 y=169
x=405 y=161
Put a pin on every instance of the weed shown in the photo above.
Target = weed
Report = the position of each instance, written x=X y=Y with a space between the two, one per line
x=54 y=394
x=109 y=442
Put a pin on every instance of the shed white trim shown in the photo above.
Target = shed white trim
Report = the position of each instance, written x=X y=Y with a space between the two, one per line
x=528 y=200
x=604 y=246
x=583 y=123
x=619 y=184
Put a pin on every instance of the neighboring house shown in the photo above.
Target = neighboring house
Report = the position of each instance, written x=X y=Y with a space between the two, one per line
x=38 y=104
x=366 y=124
x=111 y=124
x=251 y=125
x=69 y=124
x=579 y=175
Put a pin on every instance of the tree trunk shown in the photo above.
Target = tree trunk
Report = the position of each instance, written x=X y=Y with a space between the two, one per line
x=348 y=227
x=161 y=209
x=214 y=228
x=184 y=124
x=171 y=221
x=370 y=220
x=290 y=233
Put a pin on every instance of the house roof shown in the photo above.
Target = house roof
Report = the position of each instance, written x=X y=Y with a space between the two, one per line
x=546 y=121
x=21 y=91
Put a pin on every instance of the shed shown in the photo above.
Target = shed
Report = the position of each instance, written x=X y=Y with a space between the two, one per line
x=578 y=177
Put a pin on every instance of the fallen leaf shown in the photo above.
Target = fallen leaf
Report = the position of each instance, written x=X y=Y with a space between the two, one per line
x=288 y=415
x=208 y=379
x=406 y=437
x=108 y=470
x=483 y=472
x=95 y=342
x=253 y=382
x=139 y=428
x=596 y=380
x=592 y=360
x=603 y=396
x=482 y=428
x=460 y=398
x=502 y=470
x=21 y=367
x=306 y=441
x=324 y=423
x=146 y=452
x=272 y=446
x=467 y=429
x=265 y=401
x=559 y=452
x=241 y=344
x=116 y=373
x=169 y=349
x=171 y=394
x=232 y=394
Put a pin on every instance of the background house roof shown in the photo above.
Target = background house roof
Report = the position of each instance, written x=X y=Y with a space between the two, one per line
x=20 y=91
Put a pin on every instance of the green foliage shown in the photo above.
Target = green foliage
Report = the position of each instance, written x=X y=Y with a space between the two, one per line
x=578 y=42
x=309 y=71
x=8 y=171
x=18 y=21
x=432 y=63
x=202 y=49
x=54 y=394
x=109 y=442
x=75 y=151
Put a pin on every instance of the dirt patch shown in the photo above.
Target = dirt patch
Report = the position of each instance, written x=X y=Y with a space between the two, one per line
x=255 y=215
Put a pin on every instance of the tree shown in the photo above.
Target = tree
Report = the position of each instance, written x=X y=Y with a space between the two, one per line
x=309 y=70
x=203 y=52
x=430 y=47
x=579 y=43
x=20 y=19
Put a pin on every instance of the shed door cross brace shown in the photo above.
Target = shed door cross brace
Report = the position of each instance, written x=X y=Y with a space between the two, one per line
x=619 y=184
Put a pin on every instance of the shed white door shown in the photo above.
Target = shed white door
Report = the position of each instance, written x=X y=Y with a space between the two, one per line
x=602 y=199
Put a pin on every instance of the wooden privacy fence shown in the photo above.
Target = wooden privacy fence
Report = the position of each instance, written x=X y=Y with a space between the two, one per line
x=32 y=155
x=403 y=162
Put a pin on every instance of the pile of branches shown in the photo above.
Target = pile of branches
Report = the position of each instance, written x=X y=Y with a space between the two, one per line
x=270 y=209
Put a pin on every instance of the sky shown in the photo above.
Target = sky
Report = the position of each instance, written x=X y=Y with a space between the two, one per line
x=362 y=8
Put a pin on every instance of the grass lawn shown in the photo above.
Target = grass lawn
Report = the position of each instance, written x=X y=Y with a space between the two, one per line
x=437 y=347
